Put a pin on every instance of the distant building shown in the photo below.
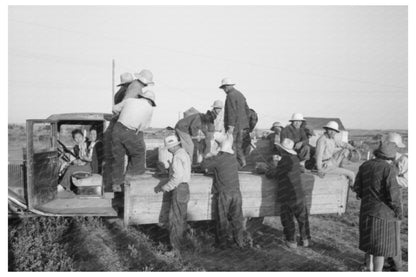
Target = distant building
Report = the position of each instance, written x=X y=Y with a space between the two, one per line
x=317 y=125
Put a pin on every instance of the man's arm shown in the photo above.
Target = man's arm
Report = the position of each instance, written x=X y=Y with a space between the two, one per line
x=320 y=147
x=393 y=198
x=177 y=176
x=117 y=108
x=209 y=164
x=402 y=165
x=231 y=111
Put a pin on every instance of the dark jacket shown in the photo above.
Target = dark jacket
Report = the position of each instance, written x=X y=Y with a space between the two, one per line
x=225 y=168
x=294 y=134
x=236 y=111
x=97 y=157
x=199 y=121
x=287 y=173
x=120 y=94
x=378 y=189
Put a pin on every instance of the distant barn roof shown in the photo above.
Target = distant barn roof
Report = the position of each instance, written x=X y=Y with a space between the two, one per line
x=80 y=116
x=316 y=123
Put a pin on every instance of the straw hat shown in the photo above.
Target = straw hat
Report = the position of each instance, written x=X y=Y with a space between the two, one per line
x=332 y=125
x=297 y=117
x=386 y=150
x=396 y=138
x=276 y=124
x=171 y=141
x=227 y=144
x=288 y=145
x=145 y=76
x=226 y=82
x=125 y=78
x=218 y=104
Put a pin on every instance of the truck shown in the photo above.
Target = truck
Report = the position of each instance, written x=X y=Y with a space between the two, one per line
x=33 y=187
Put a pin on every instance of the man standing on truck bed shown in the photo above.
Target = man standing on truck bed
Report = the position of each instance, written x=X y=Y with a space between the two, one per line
x=134 y=87
x=236 y=117
x=227 y=200
x=135 y=115
x=178 y=185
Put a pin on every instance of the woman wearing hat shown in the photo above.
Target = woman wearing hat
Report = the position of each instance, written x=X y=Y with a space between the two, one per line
x=377 y=187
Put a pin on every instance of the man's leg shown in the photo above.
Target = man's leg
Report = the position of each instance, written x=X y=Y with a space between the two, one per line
x=177 y=215
x=119 y=152
x=136 y=150
x=302 y=217
x=221 y=223
x=238 y=146
x=341 y=171
x=236 y=215
x=338 y=157
x=286 y=217
x=304 y=153
x=186 y=143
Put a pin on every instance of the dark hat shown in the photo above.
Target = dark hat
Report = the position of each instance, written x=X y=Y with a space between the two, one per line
x=386 y=150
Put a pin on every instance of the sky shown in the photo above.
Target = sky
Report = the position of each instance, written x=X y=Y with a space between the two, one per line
x=349 y=62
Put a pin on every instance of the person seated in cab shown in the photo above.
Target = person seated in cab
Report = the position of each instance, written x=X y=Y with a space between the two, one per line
x=95 y=151
x=78 y=159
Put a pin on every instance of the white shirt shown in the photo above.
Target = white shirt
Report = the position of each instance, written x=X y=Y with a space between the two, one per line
x=135 y=113
x=180 y=171
x=401 y=164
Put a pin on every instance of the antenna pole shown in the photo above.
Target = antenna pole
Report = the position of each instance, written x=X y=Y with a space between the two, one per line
x=113 y=87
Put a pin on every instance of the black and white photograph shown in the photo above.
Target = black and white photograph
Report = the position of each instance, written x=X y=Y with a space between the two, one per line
x=207 y=138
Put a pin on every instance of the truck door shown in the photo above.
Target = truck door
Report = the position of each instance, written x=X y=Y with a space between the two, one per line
x=42 y=162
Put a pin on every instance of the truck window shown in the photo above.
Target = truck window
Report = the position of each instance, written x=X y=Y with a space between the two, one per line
x=42 y=137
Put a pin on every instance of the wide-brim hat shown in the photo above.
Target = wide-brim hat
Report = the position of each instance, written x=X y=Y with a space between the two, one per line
x=145 y=77
x=396 y=138
x=171 y=141
x=287 y=145
x=149 y=95
x=125 y=78
x=276 y=124
x=332 y=125
x=297 y=117
x=226 y=82
x=386 y=150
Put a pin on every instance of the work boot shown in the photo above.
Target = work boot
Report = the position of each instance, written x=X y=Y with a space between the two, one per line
x=291 y=244
x=305 y=243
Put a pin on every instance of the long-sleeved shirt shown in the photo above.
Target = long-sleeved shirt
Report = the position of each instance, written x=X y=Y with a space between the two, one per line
x=219 y=122
x=134 y=113
x=401 y=164
x=297 y=135
x=193 y=123
x=377 y=186
x=180 y=170
x=325 y=149
x=236 y=111
x=225 y=168
x=133 y=90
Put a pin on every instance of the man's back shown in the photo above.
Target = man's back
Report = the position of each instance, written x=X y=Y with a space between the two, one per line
x=236 y=110
x=134 y=113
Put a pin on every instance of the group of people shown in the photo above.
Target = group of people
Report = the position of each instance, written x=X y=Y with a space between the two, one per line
x=226 y=126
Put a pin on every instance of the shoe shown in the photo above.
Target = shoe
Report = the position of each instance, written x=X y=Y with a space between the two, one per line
x=305 y=243
x=291 y=244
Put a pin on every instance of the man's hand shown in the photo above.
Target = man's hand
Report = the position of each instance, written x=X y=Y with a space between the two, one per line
x=158 y=189
x=230 y=130
x=298 y=145
x=321 y=174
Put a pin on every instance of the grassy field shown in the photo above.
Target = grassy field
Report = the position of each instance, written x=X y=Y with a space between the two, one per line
x=99 y=244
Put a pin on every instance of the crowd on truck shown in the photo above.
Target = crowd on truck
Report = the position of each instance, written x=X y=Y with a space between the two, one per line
x=228 y=131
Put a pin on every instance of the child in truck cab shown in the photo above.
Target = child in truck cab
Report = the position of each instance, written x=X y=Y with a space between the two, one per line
x=79 y=159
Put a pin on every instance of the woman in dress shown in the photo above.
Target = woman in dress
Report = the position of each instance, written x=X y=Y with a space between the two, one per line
x=377 y=187
x=95 y=151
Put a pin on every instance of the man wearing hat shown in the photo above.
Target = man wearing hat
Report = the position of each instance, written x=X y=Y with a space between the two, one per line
x=178 y=186
x=226 y=189
x=295 y=132
x=329 y=157
x=144 y=78
x=274 y=137
x=236 y=117
x=134 y=115
x=291 y=195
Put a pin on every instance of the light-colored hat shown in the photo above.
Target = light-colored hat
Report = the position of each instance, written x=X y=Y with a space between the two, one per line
x=145 y=76
x=396 y=138
x=218 y=104
x=219 y=137
x=125 y=78
x=297 y=117
x=386 y=150
x=171 y=141
x=226 y=82
x=276 y=124
x=288 y=145
x=332 y=125
x=227 y=144
x=150 y=95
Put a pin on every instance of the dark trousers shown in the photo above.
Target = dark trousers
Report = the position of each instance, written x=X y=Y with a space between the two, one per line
x=304 y=152
x=228 y=212
x=108 y=156
x=126 y=141
x=238 y=145
x=287 y=213
x=177 y=214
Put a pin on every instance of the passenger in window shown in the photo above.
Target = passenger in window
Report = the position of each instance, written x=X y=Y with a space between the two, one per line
x=79 y=159
x=95 y=151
